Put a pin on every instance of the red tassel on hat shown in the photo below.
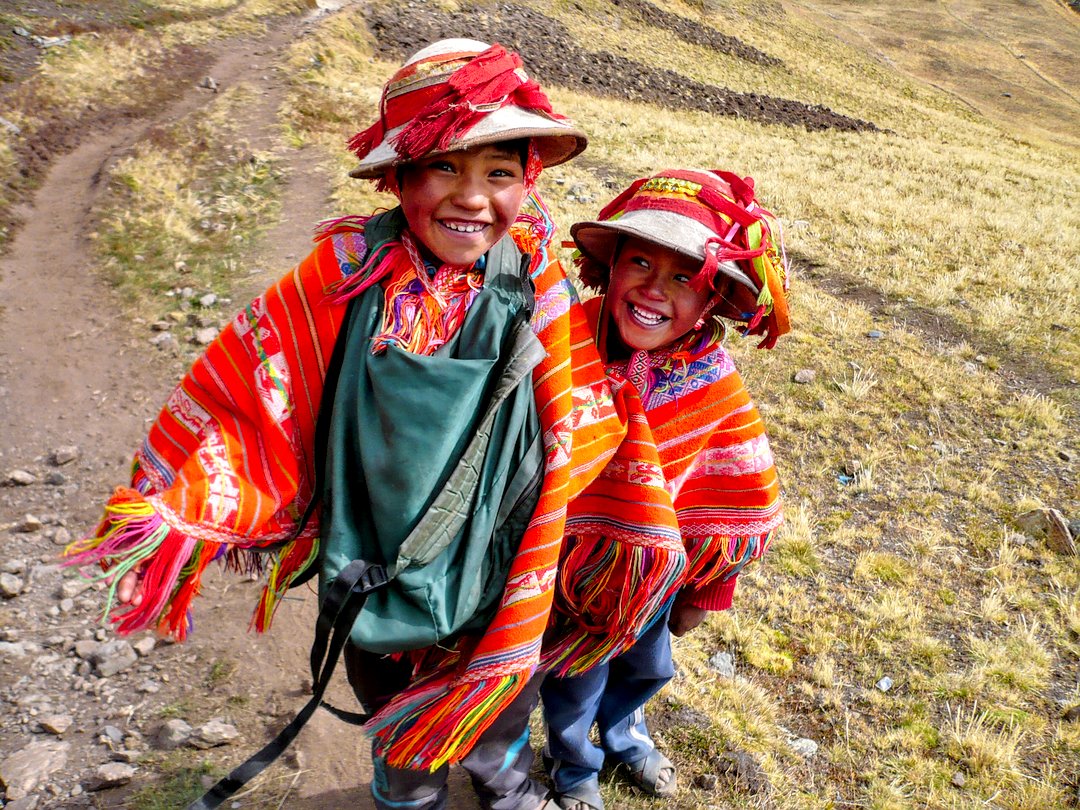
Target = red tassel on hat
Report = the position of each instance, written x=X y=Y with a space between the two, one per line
x=489 y=81
x=363 y=142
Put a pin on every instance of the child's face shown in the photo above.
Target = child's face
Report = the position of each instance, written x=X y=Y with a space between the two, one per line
x=461 y=203
x=650 y=297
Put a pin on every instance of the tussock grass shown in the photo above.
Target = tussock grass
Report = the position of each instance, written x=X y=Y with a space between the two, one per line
x=986 y=750
x=183 y=208
x=794 y=549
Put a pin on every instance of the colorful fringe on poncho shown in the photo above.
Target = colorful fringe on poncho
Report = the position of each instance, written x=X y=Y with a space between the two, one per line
x=226 y=472
x=690 y=498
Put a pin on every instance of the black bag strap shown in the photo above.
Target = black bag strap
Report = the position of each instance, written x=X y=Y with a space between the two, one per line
x=344 y=599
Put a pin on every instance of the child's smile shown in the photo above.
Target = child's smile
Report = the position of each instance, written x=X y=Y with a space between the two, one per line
x=461 y=203
x=650 y=297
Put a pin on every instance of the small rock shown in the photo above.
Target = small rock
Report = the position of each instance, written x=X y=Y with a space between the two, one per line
x=172 y=734
x=26 y=770
x=160 y=326
x=804 y=747
x=12 y=649
x=110 y=775
x=209 y=83
x=204 y=337
x=958 y=779
x=86 y=648
x=66 y=605
x=61 y=537
x=26 y=803
x=112 y=734
x=885 y=684
x=1051 y=524
x=113 y=657
x=28 y=525
x=56 y=723
x=162 y=338
x=9 y=126
x=10 y=586
x=875 y=334
x=805 y=376
x=724 y=664
x=20 y=478
x=13 y=567
x=145 y=645
x=208 y=300
x=70 y=588
x=65 y=455
x=1073 y=714
x=55 y=478
x=213 y=733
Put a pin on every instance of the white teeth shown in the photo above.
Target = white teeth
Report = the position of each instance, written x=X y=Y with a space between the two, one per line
x=649 y=318
x=464 y=228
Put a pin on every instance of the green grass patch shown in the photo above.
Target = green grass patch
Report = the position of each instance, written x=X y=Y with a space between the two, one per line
x=179 y=785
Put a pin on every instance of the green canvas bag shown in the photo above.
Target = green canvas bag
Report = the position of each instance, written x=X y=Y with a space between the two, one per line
x=434 y=463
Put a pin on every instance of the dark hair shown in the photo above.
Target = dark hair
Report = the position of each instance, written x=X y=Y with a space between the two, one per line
x=520 y=146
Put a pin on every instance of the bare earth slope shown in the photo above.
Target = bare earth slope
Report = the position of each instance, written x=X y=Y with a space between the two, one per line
x=73 y=372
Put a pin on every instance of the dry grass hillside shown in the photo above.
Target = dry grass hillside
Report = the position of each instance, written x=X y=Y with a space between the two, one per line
x=936 y=260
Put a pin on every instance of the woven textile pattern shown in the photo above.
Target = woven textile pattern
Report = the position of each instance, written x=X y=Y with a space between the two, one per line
x=693 y=488
x=227 y=470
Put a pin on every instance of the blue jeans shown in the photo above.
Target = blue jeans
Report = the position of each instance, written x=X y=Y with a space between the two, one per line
x=613 y=696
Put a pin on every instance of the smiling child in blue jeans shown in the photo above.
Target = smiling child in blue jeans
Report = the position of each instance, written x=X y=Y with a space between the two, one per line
x=671 y=255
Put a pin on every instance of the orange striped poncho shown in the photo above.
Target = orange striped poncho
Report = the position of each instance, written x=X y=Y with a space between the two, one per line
x=693 y=487
x=227 y=470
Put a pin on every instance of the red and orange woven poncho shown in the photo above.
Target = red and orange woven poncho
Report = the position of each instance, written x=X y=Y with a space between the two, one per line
x=226 y=471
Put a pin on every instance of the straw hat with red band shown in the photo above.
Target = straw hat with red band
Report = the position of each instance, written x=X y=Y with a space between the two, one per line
x=456 y=94
x=710 y=216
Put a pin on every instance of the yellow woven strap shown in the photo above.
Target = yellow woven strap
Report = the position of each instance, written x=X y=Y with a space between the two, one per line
x=761 y=266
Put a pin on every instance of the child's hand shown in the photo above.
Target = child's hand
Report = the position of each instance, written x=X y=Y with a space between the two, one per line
x=685 y=617
x=129 y=591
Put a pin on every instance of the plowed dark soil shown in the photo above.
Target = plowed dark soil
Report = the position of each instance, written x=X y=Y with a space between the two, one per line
x=555 y=58
x=694 y=33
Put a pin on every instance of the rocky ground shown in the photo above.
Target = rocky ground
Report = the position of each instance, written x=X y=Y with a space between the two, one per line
x=87 y=719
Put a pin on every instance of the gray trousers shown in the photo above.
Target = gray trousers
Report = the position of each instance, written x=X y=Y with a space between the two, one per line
x=498 y=764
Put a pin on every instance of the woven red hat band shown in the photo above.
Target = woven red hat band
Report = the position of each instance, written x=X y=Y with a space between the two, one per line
x=442 y=110
x=702 y=214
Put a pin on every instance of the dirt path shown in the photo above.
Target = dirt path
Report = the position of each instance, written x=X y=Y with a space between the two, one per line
x=73 y=372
